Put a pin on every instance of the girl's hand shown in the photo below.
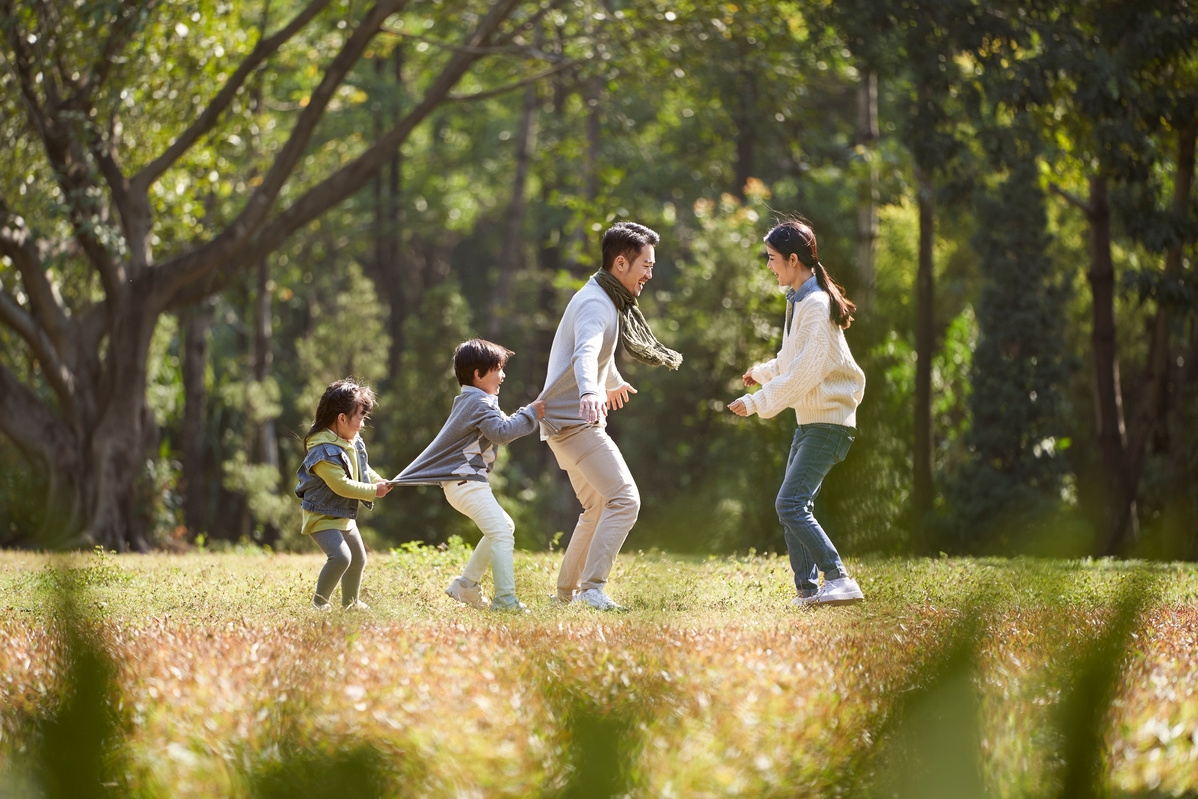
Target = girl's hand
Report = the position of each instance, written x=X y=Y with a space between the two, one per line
x=382 y=488
x=748 y=378
x=739 y=408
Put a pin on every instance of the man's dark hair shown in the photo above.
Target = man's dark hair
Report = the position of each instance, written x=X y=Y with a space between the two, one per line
x=478 y=355
x=627 y=239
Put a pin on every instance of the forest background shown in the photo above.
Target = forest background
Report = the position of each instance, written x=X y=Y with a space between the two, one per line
x=210 y=210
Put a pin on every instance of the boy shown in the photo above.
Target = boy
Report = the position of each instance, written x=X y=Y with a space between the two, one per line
x=462 y=455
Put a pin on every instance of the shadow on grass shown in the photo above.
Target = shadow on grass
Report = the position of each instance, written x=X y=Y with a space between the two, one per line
x=73 y=746
x=929 y=743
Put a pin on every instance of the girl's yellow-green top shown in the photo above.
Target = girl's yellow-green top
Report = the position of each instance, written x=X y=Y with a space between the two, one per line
x=345 y=485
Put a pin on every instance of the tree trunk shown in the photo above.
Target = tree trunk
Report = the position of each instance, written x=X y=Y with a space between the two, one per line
x=116 y=488
x=265 y=448
x=925 y=342
x=1150 y=408
x=746 y=134
x=1107 y=385
x=196 y=323
x=867 y=191
x=388 y=213
x=510 y=251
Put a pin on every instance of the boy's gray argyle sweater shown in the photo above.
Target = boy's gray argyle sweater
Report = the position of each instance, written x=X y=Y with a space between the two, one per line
x=465 y=448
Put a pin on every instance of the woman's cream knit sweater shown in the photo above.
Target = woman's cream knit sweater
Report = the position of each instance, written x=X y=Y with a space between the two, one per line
x=814 y=372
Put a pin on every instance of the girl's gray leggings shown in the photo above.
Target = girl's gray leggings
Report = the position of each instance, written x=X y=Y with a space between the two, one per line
x=347 y=560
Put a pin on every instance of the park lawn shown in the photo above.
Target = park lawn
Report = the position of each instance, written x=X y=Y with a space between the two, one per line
x=226 y=683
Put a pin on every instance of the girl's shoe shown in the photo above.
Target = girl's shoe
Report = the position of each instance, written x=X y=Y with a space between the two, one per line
x=322 y=608
x=357 y=604
x=474 y=597
x=841 y=591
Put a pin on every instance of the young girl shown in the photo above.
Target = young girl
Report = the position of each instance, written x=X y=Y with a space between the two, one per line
x=334 y=477
x=814 y=373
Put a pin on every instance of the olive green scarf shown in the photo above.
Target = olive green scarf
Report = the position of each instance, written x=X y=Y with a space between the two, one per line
x=635 y=334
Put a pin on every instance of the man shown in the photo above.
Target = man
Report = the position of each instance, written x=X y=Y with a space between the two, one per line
x=582 y=385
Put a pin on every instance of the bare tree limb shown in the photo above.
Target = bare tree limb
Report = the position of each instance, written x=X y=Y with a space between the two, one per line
x=29 y=424
x=17 y=243
x=466 y=98
x=184 y=287
x=1073 y=199
x=214 y=255
x=208 y=117
x=61 y=379
x=65 y=154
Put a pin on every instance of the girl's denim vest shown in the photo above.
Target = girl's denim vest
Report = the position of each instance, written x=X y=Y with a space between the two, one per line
x=315 y=494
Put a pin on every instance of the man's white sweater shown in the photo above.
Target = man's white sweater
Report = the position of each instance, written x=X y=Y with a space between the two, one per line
x=582 y=358
x=814 y=372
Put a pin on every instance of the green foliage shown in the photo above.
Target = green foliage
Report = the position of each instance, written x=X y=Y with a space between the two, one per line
x=1014 y=478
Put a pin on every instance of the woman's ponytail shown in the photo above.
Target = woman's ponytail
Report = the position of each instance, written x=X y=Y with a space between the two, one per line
x=794 y=236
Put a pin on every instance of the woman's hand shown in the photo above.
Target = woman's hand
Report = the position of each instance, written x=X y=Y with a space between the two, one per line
x=382 y=488
x=749 y=381
x=739 y=408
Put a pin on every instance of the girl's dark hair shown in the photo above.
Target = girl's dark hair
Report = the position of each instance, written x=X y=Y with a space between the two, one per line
x=794 y=236
x=344 y=396
x=478 y=355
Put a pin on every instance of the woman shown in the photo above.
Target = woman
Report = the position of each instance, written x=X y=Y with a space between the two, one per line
x=814 y=373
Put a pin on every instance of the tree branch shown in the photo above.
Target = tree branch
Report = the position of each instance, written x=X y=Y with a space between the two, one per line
x=208 y=117
x=466 y=98
x=26 y=421
x=185 y=285
x=17 y=243
x=1073 y=199
x=15 y=317
x=65 y=154
x=197 y=264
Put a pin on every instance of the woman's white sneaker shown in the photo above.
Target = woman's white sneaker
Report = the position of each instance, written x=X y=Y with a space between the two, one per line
x=841 y=591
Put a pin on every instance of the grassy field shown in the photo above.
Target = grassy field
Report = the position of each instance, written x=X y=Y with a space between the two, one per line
x=208 y=675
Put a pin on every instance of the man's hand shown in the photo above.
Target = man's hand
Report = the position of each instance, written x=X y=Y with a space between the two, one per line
x=382 y=488
x=739 y=408
x=591 y=409
x=748 y=378
x=618 y=396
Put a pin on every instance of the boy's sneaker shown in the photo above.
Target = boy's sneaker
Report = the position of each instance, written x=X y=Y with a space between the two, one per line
x=841 y=591
x=467 y=595
x=356 y=605
x=512 y=605
x=598 y=600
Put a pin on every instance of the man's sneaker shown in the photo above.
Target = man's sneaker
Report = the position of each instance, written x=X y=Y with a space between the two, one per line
x=472 y=596
x=512 y=605
x=558 y=598
x=598 y=600
x=356 y=605
x=841 y=591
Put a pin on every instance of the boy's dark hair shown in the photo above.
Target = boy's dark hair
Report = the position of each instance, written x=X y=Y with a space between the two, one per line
x=627 y=239
x=478 y=355
x=344 y=396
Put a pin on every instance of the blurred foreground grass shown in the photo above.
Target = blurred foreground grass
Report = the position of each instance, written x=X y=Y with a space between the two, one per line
x=208 y=675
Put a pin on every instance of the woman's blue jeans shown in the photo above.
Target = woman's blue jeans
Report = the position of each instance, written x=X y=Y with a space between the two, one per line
x=816 y=448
